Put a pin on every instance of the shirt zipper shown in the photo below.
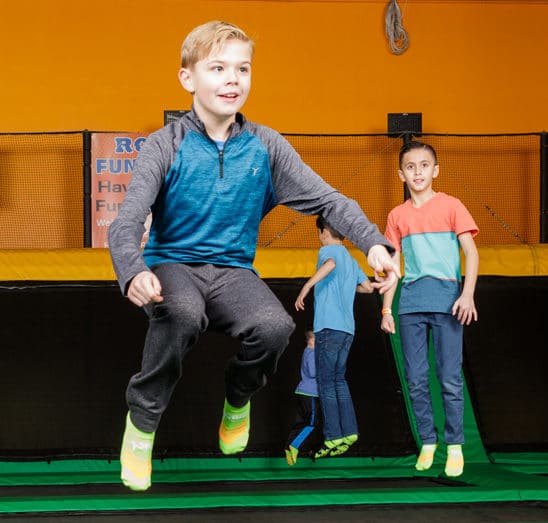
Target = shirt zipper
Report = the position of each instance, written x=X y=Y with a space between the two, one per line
x=221 y=154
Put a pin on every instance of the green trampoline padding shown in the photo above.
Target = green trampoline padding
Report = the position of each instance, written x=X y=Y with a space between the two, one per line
x=257 y=482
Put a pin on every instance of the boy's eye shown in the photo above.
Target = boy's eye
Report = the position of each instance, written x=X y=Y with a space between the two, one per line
x=244 y=69
x=217 y=68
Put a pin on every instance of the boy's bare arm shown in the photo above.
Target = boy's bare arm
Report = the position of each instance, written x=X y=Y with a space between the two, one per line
x=320 y=274
x=387 y=322
x=464 y=308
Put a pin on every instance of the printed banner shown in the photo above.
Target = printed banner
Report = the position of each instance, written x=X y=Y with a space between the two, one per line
x=112 y=159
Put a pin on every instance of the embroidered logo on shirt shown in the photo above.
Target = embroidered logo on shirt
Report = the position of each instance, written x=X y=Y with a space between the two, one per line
x=255 y=171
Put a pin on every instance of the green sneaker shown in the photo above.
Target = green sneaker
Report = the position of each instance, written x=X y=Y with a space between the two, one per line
x=347 y=442
x=328 y=447
x=136 y=457
x=339 y=449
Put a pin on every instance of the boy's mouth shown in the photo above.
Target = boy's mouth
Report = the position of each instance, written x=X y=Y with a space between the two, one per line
x=229 y=96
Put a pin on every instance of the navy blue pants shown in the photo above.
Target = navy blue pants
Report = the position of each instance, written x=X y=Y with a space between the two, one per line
x=307 y=419
x=447 y=340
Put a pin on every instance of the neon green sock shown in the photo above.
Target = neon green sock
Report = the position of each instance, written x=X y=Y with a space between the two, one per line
x=234 y=428
x=426 y=456
x=455 y=461
x=291 y=454
x=136 y=457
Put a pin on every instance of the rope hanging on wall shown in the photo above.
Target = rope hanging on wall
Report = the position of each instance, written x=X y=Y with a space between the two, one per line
x=396 y=34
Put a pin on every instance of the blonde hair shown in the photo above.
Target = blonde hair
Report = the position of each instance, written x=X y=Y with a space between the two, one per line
x=208 y=37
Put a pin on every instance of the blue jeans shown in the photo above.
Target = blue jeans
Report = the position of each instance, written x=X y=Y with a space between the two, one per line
x=447 y=341
x=331 y=352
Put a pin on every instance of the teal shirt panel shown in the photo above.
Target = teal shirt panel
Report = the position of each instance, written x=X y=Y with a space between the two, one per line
x=432 y=272
x=434 y=254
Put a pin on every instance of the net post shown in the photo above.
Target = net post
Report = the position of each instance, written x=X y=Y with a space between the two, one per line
x=86 y=140
x=405 y=125
x=406 y=138
x=543 y=187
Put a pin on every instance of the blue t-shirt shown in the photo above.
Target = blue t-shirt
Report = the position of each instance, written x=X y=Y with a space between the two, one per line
x=334 y=295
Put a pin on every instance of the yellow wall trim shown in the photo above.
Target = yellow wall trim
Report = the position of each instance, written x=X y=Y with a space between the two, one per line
x=95 y=264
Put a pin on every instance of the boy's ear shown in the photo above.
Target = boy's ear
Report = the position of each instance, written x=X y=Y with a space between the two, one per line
x=400 y=174
x=185 y=77
x=436 y=171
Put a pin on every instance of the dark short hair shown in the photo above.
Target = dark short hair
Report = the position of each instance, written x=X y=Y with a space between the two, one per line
x=415 y=144
x=321 y=224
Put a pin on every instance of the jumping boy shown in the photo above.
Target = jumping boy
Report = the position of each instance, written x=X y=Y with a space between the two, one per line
x=337 y=279
x=428 y=230
x=209 y=178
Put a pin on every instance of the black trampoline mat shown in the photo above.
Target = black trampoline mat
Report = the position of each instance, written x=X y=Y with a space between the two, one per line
x=522 y=512
x=208 y=487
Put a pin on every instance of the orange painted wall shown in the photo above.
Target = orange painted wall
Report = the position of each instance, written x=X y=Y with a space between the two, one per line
x=320 y=66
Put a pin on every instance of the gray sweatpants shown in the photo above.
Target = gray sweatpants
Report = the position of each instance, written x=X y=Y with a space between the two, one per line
x=235 y=301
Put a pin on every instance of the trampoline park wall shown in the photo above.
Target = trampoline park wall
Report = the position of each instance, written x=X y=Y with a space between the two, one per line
x=70 y=340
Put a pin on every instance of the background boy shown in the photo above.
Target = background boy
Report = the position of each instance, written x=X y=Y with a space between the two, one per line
x=209 y=178
x=337 y=279
x=308 y=406
x=428 y=230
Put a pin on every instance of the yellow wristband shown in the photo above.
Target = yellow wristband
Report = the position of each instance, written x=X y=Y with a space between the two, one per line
x=386 y=311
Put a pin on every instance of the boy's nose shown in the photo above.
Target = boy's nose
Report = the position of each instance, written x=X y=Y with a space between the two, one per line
x=232 y=76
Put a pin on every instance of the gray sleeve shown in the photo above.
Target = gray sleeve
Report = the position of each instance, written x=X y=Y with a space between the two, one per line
x=126 y=231
x=298 y=187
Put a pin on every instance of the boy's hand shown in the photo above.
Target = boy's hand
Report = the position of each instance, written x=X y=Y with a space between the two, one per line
x=381 y=262
x=465 y=310
x=388 y=324
x=366 y=287
x=299 y=302
x=145 y=288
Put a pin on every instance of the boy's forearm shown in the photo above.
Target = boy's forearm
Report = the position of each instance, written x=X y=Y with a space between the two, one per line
x=471 y=274
x=125 y=252
x=471 y=264
x=388 y=299
x=388 y=296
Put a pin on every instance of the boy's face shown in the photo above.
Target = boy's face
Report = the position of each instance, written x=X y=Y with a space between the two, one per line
x=221 y=81
x=418 y=169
